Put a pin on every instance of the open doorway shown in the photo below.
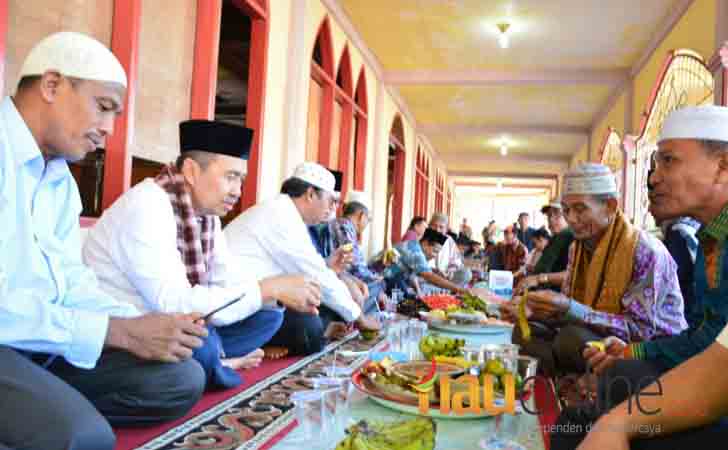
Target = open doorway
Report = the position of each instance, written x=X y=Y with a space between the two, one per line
x=233 y=72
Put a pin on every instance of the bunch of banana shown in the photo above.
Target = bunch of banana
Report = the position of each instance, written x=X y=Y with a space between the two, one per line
x=435 y=345
x=390 y=256
x=414 y=434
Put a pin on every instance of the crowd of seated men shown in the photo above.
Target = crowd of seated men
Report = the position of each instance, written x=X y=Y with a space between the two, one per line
x=116 y=329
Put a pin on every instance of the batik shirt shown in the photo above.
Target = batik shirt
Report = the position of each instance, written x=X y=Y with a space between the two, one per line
x=711 y=270
x=345 y=233
x=412 y=260
x=652 y=306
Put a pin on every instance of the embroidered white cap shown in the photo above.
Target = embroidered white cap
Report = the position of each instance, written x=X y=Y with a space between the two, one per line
x=359 y=197
x=696 y=122
x=315 y=174
x=74 y=55
x=590 y=179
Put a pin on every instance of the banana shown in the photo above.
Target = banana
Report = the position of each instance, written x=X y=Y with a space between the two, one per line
x=522 y=319
x=457 y=360
x=599 y=345
x=414 y=434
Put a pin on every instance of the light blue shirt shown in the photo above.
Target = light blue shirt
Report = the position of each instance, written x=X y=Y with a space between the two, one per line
x=49 y=301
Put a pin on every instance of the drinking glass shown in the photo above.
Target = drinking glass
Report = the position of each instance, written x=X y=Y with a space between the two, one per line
x=335 y=401
x=309 y=412
x=508 y=426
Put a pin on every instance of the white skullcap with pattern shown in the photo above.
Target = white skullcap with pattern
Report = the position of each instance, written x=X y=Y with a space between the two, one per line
x=590 y=179
x=360 y=197
x=696 y=122
x=316 y=175
x=73 y=55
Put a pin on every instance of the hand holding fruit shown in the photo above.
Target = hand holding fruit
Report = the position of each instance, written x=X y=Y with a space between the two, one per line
x=601 y=357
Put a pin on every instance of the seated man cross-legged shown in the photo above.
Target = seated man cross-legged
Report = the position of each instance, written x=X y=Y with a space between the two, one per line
x=272 y=239
x=620 y=280
x=160 y=247
x=73 y=359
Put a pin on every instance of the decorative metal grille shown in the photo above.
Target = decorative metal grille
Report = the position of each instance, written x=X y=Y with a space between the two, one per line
x=686 y=82
x=613 y=156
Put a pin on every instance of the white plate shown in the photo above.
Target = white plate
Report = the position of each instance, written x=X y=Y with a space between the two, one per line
x=471 y=329
x=432 y=412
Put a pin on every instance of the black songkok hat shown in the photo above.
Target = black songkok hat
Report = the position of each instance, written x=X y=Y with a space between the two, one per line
x=338 y=179
x=215 y=137
x=434 y=237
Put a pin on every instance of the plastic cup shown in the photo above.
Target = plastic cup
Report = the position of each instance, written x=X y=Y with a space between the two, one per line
x=309 y=412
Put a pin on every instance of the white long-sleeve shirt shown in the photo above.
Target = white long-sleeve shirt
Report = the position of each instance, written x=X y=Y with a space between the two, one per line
x=449 y=255
x=271 y=239
x=133 y=250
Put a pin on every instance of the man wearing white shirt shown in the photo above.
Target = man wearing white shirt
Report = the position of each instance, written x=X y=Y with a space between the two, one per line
x=272 y=239
x=449 y=262
x=73 y=360
x=161 y=248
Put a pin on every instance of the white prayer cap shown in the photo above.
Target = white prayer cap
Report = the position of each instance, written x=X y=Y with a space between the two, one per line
x=74 y=55
x=696 y=122
x=590 y=179
x=315 y=174
x=358 y=196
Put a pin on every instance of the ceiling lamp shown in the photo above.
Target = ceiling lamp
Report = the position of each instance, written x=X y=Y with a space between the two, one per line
x=504 y=148
x=503 y=39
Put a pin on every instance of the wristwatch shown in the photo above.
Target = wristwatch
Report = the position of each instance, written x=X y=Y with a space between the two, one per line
x=543 y=278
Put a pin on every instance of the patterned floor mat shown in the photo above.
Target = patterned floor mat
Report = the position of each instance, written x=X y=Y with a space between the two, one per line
x=251 y=418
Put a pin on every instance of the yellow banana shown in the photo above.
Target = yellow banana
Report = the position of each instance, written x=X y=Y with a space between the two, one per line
x=522 y=319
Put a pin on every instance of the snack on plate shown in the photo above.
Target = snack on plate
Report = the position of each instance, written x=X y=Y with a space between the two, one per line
x=369 y=335
x=440 y=301
x=435 y=345
x=474 y=302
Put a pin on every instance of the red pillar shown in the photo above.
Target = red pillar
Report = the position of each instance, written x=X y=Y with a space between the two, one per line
x=204 y=68
x=125 y=45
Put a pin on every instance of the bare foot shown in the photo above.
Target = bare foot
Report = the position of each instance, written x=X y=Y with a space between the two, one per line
x=336 y=331
x=273 y=352
x=248 y=361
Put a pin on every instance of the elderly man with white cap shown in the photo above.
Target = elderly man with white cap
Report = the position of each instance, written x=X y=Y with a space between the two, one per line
x=72 y=358
x=690 y=179
x=272 y=238
x=620 y=281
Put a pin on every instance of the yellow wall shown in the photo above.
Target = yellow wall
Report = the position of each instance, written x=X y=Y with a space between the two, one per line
x=613 y=119
x=694 y=31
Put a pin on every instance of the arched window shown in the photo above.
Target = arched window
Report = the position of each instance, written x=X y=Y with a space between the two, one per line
x=684 y=81
x=439 y=192
x=395 y=181
x=421 y=184
x=320 y=97
x=359 y=127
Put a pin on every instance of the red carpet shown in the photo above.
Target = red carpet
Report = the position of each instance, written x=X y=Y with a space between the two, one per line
x=129 y=438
